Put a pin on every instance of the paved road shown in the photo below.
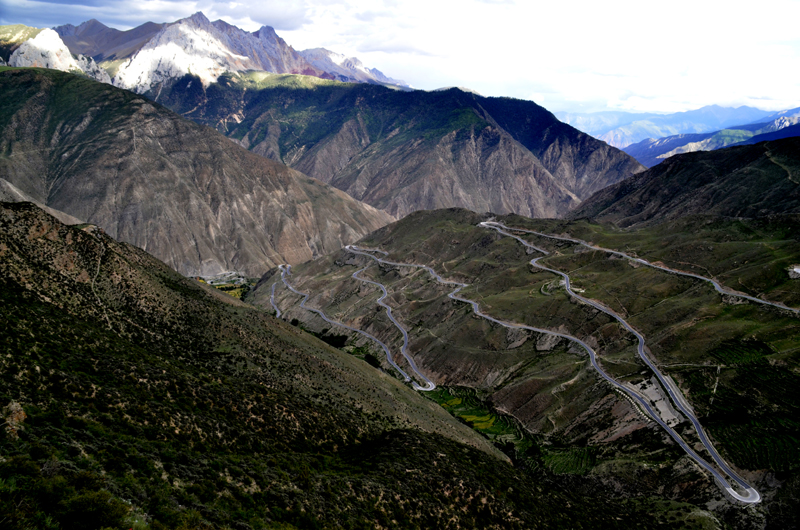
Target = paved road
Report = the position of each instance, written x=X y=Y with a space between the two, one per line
x=272 y=299
x=719 y=288
x=751 y=495
x=286 y=271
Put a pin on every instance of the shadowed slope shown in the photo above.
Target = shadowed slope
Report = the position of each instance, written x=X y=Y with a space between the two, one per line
x=147 y=176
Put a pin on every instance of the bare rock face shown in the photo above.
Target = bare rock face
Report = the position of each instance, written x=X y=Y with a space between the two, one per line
x=408 y=151
x=47 y=50
x=207 y=49
x=347 y=69
x=148 y=177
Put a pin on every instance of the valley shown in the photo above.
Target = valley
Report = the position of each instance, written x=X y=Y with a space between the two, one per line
x=500 y=378
x=247 y=286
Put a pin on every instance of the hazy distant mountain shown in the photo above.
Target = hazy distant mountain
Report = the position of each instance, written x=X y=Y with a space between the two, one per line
x=599 y=123
x=747 y=181
x=145 y=175
x=346 y=69
x=630 y=128
x=405 y=151
x=651 y=152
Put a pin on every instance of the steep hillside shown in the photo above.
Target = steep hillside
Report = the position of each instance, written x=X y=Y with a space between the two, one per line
x=734 y=361
x=747 y=181
x=134 y=397
x=151 y=178
x=405 y=151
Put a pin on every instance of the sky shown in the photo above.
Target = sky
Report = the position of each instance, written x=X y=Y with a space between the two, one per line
x=568 y=55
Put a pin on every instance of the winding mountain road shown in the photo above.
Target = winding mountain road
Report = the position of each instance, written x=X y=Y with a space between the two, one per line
x=719 y=288
x=286 y=271
x=750 y=495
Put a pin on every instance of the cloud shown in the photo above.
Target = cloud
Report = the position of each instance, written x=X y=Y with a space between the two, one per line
x=624 y=54
x=280 y=14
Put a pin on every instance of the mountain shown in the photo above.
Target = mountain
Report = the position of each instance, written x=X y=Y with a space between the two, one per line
x=404 y=151
x=106 y=45
x=151 y=178
x=44 y=49
x=539 y=393
x=207 y=49
x=599 y=123
x=788 y=131
x=347 y=69
x=641 y=127
x=12 y=37
x=747 y=181
x=136 y=398
x=651 y=152
x=148 y=58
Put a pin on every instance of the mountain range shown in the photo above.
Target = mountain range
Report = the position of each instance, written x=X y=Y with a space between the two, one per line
x=147 y=58
x=622 y=129
x=404 y=151
x=651 y=152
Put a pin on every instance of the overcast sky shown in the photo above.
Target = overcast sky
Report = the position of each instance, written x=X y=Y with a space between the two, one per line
x=580 y=55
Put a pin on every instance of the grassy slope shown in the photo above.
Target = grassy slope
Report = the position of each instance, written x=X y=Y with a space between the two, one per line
x=690 y=328
x=153 y=401
x=12 y=36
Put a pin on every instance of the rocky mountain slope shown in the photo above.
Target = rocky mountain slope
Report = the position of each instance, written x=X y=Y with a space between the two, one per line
x=651 y=152
x=151 y=178
x=147 y=58
x=748 y=181
x=134 y=397
x=45 y=49
x=405 y=151
x=347 y=69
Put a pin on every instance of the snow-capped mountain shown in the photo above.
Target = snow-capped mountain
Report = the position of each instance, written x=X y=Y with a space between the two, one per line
x=47 y=50
x=208 y=49
x=347 y=69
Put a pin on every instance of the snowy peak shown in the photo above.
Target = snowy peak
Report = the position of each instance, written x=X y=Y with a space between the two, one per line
x=196 y=45
x=47 y=50
x=346 y=69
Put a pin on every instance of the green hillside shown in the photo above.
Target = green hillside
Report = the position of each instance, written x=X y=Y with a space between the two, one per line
x=135 y=398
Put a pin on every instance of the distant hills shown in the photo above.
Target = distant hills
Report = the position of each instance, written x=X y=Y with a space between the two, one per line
x=651 y=152
x=151 y=178
x=748 y=181
x=622 y=129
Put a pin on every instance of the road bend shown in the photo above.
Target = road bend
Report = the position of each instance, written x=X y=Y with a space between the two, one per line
x=751 y=495
x=286 y=271
x=719 y=288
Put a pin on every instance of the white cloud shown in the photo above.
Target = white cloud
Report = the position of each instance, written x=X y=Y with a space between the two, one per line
x=624 y=54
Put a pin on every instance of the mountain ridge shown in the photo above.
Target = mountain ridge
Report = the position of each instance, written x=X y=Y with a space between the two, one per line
x=163 y=183
x=403 y=151
x=746 y=181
